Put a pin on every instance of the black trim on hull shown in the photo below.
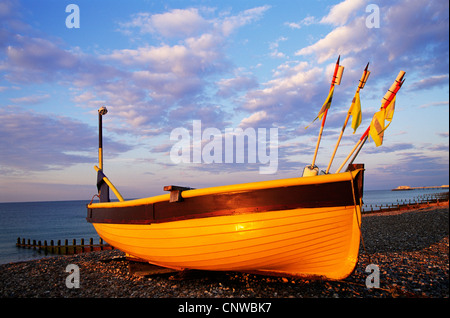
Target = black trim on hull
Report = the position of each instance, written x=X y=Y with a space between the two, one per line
x=333 y=194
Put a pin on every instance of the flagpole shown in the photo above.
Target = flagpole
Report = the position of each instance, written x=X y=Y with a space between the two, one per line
x=359 y=149
x=361 y=84
x=337 y=144
x=353 y=150
x=333 y=82
x=386 y=101
x=318 y=139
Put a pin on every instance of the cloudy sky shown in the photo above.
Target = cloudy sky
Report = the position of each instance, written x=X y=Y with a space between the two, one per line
x=161 y=65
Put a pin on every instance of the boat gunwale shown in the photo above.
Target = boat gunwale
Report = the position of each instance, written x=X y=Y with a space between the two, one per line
x=235 y=188
x=268 y=197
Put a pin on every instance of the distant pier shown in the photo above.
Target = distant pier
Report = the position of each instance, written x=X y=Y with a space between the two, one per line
x=422 y=200
x=403 y=188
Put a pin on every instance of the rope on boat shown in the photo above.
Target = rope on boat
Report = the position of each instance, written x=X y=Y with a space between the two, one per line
x=95 y=195
x=357 y=218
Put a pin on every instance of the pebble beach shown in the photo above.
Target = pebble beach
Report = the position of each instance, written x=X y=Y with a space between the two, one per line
x=410 y=249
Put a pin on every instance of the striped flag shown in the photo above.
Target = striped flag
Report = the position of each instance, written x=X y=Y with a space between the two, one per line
x=378 y=125
x=390 y=111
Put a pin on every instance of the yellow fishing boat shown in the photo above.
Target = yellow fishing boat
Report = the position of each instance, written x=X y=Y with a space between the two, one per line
x=307 y=226
x=304 y=226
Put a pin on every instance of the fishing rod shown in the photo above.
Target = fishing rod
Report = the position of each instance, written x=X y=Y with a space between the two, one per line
x=356 y=116
x=388 y=98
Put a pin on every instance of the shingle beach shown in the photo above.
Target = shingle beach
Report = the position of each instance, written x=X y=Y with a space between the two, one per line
x=410 y=249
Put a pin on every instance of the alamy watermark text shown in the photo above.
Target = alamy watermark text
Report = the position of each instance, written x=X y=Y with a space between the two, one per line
x=234 y=145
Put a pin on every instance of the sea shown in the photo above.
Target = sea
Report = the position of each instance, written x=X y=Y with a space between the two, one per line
x=61 y=220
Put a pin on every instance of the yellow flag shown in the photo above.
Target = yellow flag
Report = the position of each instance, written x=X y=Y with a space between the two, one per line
x=325 y=106
x=390 y=112
x=355 y=111
x=377 y=128
x=378 y=125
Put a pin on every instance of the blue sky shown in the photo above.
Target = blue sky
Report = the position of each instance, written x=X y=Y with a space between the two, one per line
x=160 y=65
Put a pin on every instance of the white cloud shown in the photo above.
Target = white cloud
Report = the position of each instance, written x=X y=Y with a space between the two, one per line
x=164 y=58
x=229 y=87
x=434 y=104
x=37 y=59
x=229 y=24
x=6 y=8
x=304 y=22
x=175 y=23
x=31 y=141
x=423 y=30
x=189 y=22
x=274 y=47
x=84 y=97
x=341 y=12
x=286 y=97
x=430 y=82
x=412 y=34
x=170 y=73
x=343 y=40
x=165 y=76
x=155 y=79
x=254 y=119
x=30 y=100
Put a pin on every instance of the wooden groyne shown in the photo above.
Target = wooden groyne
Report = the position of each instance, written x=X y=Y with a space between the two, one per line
x=417 y=202
x=63 y=249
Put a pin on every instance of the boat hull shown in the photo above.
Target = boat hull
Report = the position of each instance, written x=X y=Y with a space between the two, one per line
x=303 y=239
